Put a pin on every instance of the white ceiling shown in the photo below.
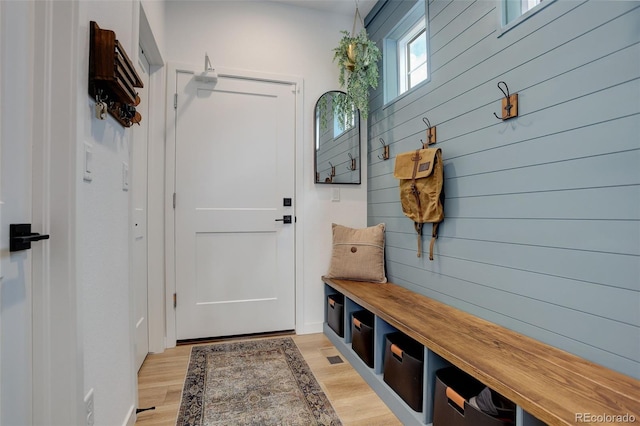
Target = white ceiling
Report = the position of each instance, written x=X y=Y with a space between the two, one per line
x=342 y=7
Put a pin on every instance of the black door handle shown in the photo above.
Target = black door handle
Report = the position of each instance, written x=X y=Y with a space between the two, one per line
x=21 y=237
x=285 y=219
x=30 y=238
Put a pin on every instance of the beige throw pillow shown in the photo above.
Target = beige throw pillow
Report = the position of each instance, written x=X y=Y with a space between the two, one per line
x=358 y=254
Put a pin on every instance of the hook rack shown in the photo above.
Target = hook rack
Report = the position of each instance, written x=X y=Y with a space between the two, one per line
x=112 y=78
x=431 y=132
x=351 y=167
x=385 y=150
x=509 y=103
x=333 y=169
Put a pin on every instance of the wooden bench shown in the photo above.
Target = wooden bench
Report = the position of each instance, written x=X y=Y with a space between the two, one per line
x=547 y=383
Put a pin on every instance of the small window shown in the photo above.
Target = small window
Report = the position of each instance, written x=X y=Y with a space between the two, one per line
x=342 y=125
x=406 y=53
x=515 y=8
x=516 y=11
x=412 y=57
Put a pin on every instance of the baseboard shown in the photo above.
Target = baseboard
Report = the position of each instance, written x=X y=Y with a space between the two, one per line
x=131 y=417
x=312 y=327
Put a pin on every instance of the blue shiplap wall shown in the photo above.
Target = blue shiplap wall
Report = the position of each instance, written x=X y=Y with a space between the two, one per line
x=542 y=228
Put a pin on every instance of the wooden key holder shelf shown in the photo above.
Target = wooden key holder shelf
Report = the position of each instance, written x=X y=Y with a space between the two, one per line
x=112 y=78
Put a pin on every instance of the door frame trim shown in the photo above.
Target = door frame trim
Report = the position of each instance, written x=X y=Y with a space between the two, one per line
x=170 y=180
x=155 y=189
x=58 y=376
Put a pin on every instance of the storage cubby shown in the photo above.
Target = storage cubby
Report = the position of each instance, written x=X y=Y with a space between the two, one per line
x=455 y=391
x=362 y=335
x=382 y=328
x=349 y=308
x=403 y=369
x=335 y=313
x=374 y=376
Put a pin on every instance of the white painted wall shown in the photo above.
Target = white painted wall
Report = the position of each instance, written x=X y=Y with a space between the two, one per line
x=104 y=228
x=154 y=11
x=287 y=40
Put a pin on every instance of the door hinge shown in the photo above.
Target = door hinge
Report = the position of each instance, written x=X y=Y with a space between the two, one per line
x=175 y=300
x=175 y=101
x=174 y=200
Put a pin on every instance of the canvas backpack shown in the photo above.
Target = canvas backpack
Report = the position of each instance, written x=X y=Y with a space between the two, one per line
x=421 y=192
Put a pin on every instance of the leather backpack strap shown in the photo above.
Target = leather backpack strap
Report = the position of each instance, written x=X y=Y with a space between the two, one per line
x=434 y=237
x=418 y=227
x=414 y=190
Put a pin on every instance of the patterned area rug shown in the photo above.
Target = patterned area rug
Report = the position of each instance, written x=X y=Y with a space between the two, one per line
x=256 y=382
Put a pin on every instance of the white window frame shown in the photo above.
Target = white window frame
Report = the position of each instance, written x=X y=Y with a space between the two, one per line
x=504 y=27
x=394 y=58
x=404 y=74
x=350 y=123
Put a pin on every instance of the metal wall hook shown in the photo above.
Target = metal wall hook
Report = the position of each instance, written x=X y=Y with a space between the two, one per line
x=333 y=169
x=352 y=166
x=385 y=150
x=101 y=96
x=103 y=104
x=509 y=103
x=431 y=132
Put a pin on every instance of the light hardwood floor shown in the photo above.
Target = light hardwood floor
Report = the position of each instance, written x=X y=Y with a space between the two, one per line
x=161 y=376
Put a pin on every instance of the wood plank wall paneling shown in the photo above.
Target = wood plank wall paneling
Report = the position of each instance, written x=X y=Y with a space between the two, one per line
x=336 y=151
x=542 y=227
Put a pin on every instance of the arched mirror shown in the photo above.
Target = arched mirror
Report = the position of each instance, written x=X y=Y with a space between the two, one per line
x=337 y=140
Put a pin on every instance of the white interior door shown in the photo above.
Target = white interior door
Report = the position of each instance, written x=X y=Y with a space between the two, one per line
x=235 y=145
x=40 y=366
x=16 y=313
x=139 y=184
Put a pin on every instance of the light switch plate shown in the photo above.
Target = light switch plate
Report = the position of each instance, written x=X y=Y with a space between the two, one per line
x=125 y=176
x=87 y=173
x=335 y=194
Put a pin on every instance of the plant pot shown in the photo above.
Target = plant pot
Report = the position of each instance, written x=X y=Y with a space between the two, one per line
x=350 y=63
x=358 y=57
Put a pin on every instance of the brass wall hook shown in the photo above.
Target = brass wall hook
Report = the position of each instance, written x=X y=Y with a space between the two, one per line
x=431 y=132
x=509 y=103
x=333 y=169
x=352 y=166
x=385 y=150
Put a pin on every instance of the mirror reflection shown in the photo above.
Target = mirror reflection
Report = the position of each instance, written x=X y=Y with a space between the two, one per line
x=337 y=140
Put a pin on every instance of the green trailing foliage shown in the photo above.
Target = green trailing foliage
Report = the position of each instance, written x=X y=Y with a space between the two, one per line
x=357 y=58
x=336 y=105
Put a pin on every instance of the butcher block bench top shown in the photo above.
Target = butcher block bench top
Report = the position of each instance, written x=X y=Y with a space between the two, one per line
x=548 y=383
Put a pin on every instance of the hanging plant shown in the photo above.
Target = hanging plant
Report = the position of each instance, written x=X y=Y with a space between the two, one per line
x=357 y=58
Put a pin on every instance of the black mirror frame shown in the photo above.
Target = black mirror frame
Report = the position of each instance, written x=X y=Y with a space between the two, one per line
x=316 y=178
